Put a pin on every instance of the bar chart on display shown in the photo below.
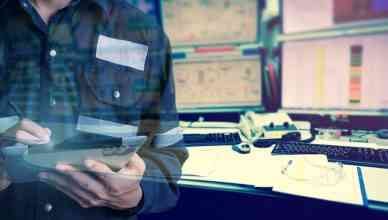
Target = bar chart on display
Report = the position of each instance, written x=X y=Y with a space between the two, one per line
x=344 y=73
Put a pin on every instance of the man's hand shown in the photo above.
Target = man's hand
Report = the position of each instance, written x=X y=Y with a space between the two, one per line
x=28 y=132
x=99 y=186
x=4 y=181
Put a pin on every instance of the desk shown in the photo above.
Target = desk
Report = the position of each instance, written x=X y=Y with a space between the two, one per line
x=213 y=184
x=193 y=186
x=266 y=192
x=202 y=200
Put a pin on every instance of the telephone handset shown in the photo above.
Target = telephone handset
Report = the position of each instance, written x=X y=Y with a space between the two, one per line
x=249 y=128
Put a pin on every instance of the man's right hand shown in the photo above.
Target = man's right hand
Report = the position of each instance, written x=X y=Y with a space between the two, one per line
x=28 y=132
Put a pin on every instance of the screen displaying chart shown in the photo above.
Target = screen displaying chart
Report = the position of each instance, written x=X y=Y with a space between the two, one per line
x=307 y=15
x=347 y=73
x=218 y=83
x=210 y=21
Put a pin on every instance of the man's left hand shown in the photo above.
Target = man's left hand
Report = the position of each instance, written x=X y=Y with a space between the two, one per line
x=100 y=186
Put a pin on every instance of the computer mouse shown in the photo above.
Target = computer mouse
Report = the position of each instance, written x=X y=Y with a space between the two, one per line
x=267 y=142
x=383 y=133
x=242 y=148
x=292 y=136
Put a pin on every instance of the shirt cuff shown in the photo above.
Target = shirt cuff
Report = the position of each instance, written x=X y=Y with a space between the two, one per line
x=128 y=212
x=5 y=142
x=158 y=193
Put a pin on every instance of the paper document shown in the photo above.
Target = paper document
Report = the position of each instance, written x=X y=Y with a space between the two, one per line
x=197 y=124
x=250 y=169
x=201 y=162
x=222 y=164
x=376 y=181
x=193 y=130
x=313 y=176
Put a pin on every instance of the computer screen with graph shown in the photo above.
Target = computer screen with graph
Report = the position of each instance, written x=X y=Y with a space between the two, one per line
x=311 y=15
x=218 y=84
x=336 y=74
x=203 y=22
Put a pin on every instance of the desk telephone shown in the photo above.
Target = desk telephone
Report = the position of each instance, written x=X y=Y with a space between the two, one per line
x=260 y=129
x=270 y=125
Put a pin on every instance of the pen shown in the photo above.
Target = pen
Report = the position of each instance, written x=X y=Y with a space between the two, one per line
x=5 y=137
x=16 y=109
x=21 y=116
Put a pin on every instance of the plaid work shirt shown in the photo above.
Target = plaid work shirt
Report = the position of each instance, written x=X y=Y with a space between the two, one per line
x=96 y=63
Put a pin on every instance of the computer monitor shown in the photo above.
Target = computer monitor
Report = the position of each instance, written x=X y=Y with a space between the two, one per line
x=336 y=75
x=344 y=74
x=219 y=85
x=200 y=22
x=312 y=15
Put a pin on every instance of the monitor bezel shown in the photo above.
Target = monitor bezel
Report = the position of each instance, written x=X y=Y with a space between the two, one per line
x=339 y=27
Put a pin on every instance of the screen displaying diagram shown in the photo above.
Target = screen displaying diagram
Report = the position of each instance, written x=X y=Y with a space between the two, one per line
x=223 y=83
x=210 y=21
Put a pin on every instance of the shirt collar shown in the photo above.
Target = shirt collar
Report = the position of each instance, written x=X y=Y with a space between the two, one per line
x=103 y=4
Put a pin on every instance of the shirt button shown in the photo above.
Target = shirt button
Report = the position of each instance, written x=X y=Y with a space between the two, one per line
x=53 y=102
x=53 y=53
x=116 y=94
x=48 y=207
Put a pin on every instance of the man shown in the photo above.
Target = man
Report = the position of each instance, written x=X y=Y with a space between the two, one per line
x=68 y=65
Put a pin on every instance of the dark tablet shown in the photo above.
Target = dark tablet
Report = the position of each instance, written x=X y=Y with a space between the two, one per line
x=113 y=151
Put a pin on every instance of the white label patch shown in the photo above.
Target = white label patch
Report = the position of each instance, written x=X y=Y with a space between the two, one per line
x=122 y=52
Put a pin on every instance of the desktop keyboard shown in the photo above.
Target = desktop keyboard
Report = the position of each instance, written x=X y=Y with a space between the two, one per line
x=344 y=154
x=211 y=139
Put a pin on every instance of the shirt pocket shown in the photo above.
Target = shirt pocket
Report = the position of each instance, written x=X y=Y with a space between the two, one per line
x=114 y=84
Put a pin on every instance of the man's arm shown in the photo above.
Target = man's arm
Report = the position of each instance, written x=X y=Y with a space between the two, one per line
x=163 y=156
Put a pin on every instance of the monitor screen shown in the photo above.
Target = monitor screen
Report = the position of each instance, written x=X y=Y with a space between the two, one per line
x=308 y=15
x=337 y=74
x=218 y=84
x=199 y=22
